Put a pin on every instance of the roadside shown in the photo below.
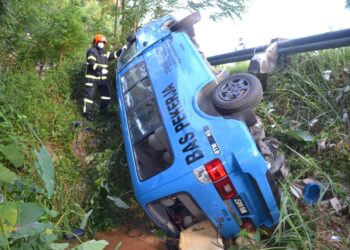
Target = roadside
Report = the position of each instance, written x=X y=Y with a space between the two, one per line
x=132 y=237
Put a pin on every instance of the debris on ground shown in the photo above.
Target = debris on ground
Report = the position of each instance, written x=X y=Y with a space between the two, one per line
x=265 y=62
x=324 y=144
x=75 y=234
x=334 y=205
x=346 y=120
x=309 y=189
x=268 y=147
x=200 y=236
x=327 y=74
x=246 y=241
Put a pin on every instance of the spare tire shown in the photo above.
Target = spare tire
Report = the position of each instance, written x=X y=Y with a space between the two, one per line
x=237 y=92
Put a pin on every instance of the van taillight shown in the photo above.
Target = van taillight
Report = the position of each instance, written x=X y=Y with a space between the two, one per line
x=222 y=182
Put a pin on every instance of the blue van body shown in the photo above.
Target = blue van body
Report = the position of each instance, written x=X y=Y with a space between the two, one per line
x=176 y=73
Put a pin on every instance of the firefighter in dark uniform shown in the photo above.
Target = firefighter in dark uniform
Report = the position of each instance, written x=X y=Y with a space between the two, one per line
x=96 y=75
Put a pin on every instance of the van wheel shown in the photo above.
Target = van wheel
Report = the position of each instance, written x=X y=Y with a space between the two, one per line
x=237 y=92
x=186 y=24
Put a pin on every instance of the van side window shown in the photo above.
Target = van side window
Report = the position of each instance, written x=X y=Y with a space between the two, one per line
x=150 y=142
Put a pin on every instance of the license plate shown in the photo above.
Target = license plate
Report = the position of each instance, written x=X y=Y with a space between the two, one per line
x=237 y=200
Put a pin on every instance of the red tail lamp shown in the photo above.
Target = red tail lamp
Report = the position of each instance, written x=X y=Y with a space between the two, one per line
x=222 y=182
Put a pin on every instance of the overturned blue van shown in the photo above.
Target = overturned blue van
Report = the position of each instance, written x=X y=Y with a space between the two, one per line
x=190 y=152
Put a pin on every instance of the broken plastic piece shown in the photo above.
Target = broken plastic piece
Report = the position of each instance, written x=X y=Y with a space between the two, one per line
x=335 y=204
x=75 y=233
x=312 y=193
x=309 y=189
x=265 y=62
x=335 y=238
x=327 y=74
x=221 y=75
x=277 y=164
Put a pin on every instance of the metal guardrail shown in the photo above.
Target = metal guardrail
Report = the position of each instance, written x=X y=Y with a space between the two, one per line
x=328 y=40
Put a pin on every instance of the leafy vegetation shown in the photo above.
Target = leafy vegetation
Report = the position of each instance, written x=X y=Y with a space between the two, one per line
x=305 y=112
x=305 y=101
x=43 y=178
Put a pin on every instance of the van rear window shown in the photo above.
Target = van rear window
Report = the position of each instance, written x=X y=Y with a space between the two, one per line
x=143 y=121
x=129 y=53
x=148 y=137
x=133 y=76
x=138 y=93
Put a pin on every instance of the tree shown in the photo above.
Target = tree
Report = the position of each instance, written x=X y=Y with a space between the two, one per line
x=220 y=8
x=42 y=31
x=135 y=12
x=45 y=31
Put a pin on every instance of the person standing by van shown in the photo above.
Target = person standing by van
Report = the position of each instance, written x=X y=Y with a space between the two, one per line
x=96 y=75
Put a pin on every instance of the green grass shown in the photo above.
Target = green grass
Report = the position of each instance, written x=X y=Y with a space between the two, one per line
x=89 y=159
x=296 y=96
x=38 y=112
x=233 y=68
x=299 y=98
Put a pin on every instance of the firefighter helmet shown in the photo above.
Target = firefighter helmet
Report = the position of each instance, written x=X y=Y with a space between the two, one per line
x=99 y=38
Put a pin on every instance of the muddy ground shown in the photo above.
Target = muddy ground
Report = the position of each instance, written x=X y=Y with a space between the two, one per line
x=132 y=239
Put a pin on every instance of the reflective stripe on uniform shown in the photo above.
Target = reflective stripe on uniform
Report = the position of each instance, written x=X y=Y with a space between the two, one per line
x=85 y=102
x=95 y=66
x=88 y=101
x=90 y=84
x=96 y=77
x=105 y=98
x=108 y=53
x=101 y=65
x=93 y=77
x=92 y=58
x=115 y=54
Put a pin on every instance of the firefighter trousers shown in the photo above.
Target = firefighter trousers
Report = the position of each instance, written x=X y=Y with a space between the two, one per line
x=90 y=91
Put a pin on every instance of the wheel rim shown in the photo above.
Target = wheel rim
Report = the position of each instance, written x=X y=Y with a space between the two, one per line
x=234 y=89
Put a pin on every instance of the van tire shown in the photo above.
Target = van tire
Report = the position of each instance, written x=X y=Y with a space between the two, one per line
x=237 y=92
